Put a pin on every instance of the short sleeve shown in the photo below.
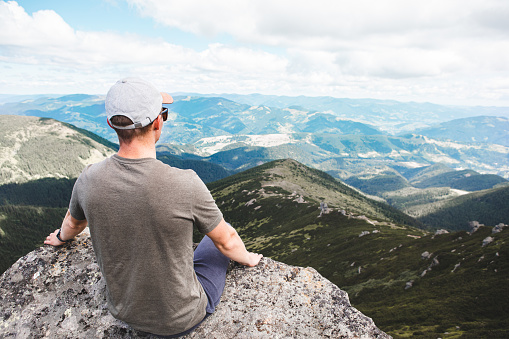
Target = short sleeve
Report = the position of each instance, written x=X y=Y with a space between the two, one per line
x=75 y=208
x=206 y=214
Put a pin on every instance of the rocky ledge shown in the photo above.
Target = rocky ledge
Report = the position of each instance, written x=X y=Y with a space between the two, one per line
x=59 y=293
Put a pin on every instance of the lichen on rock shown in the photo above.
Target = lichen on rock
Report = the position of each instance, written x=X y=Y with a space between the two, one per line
x=60 y=292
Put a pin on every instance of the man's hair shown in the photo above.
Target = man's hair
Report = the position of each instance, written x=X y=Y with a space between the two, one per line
x=127 y=135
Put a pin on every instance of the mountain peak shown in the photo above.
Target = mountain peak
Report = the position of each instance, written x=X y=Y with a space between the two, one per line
x=33 y=148
x=289 y=179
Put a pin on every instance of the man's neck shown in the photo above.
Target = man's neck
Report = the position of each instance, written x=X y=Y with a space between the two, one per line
x=137 y=150
x=143 y=146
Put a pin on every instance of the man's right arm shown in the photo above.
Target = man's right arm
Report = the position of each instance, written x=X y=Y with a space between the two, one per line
x=70 y=228
x=231 y=245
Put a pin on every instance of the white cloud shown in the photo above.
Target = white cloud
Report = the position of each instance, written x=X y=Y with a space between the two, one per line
x=46 y=41
x=372 y=37
x=395 y=49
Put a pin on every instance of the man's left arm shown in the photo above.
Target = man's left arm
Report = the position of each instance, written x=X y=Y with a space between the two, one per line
x=71 y=227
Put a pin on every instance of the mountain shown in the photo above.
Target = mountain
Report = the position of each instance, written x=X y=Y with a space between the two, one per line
x=422 y=192
x=420 y=174
x=191 y=118
x=354 y=153
x=410 y=281
x=485 y=129
x=488 y=207
x=299 y=184
x=467 y=180
x=40 y=159
x=389 y=115
x=384 y=181
x=33 y=148
x=81 y=110
x=211 y=117
x=321 y=131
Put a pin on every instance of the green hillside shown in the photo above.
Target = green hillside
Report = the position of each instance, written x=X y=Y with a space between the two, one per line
x=28 y=213
x=32 y=148
x=207 y=171
x=276 y=210
x=478 y=182
x=24 y=228
x=48 y=192
x=292 y=179
x=489 y=207
x=377 y=185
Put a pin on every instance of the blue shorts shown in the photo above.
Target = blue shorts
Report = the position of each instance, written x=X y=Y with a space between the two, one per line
x=210 y=266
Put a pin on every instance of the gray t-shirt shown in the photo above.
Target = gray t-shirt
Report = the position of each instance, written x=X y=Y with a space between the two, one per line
x=141 y=214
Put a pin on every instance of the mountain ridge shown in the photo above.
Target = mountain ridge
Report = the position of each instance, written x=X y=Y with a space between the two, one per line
x=33 y=148
x=487 y=129
x=197 y=119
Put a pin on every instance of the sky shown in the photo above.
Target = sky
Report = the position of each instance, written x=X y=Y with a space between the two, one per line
x=446 y=52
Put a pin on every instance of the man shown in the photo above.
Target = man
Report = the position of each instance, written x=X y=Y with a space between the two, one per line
x=141 y=214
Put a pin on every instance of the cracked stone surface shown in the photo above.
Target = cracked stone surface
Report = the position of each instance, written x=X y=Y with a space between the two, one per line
x=59 y=292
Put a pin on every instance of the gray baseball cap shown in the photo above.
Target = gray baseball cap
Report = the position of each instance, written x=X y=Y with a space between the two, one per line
x=137 y=100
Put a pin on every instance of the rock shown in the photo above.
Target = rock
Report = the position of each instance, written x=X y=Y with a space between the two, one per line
x=487 y=240
x=250 y=202
x=474 y=225
x=300 y=200
x=363 y=233
x=59 y=293
x=324 y=209
x=425 y=255
x=455 y=267
x=498 y=228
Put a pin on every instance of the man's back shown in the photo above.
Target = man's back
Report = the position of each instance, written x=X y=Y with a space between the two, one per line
x=141 y=214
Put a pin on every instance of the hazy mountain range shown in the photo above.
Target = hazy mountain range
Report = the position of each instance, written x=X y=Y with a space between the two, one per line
x=320 y=132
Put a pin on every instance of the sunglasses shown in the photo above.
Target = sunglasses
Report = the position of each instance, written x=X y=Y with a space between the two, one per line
x=164 y=113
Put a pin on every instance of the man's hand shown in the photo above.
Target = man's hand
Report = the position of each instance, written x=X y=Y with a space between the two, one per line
x=253 y=259
x=53 y=240
x=230 y=244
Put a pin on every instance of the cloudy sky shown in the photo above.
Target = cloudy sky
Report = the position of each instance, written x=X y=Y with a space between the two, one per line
x=446 y=51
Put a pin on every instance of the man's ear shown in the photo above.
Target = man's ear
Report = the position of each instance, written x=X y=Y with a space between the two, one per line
x=158 y=123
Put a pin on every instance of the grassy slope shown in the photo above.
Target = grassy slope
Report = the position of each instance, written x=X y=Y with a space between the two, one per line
x=470 y=300
x=376 y=267
x=24 y=228
x=489 y=207
x=291 y=177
